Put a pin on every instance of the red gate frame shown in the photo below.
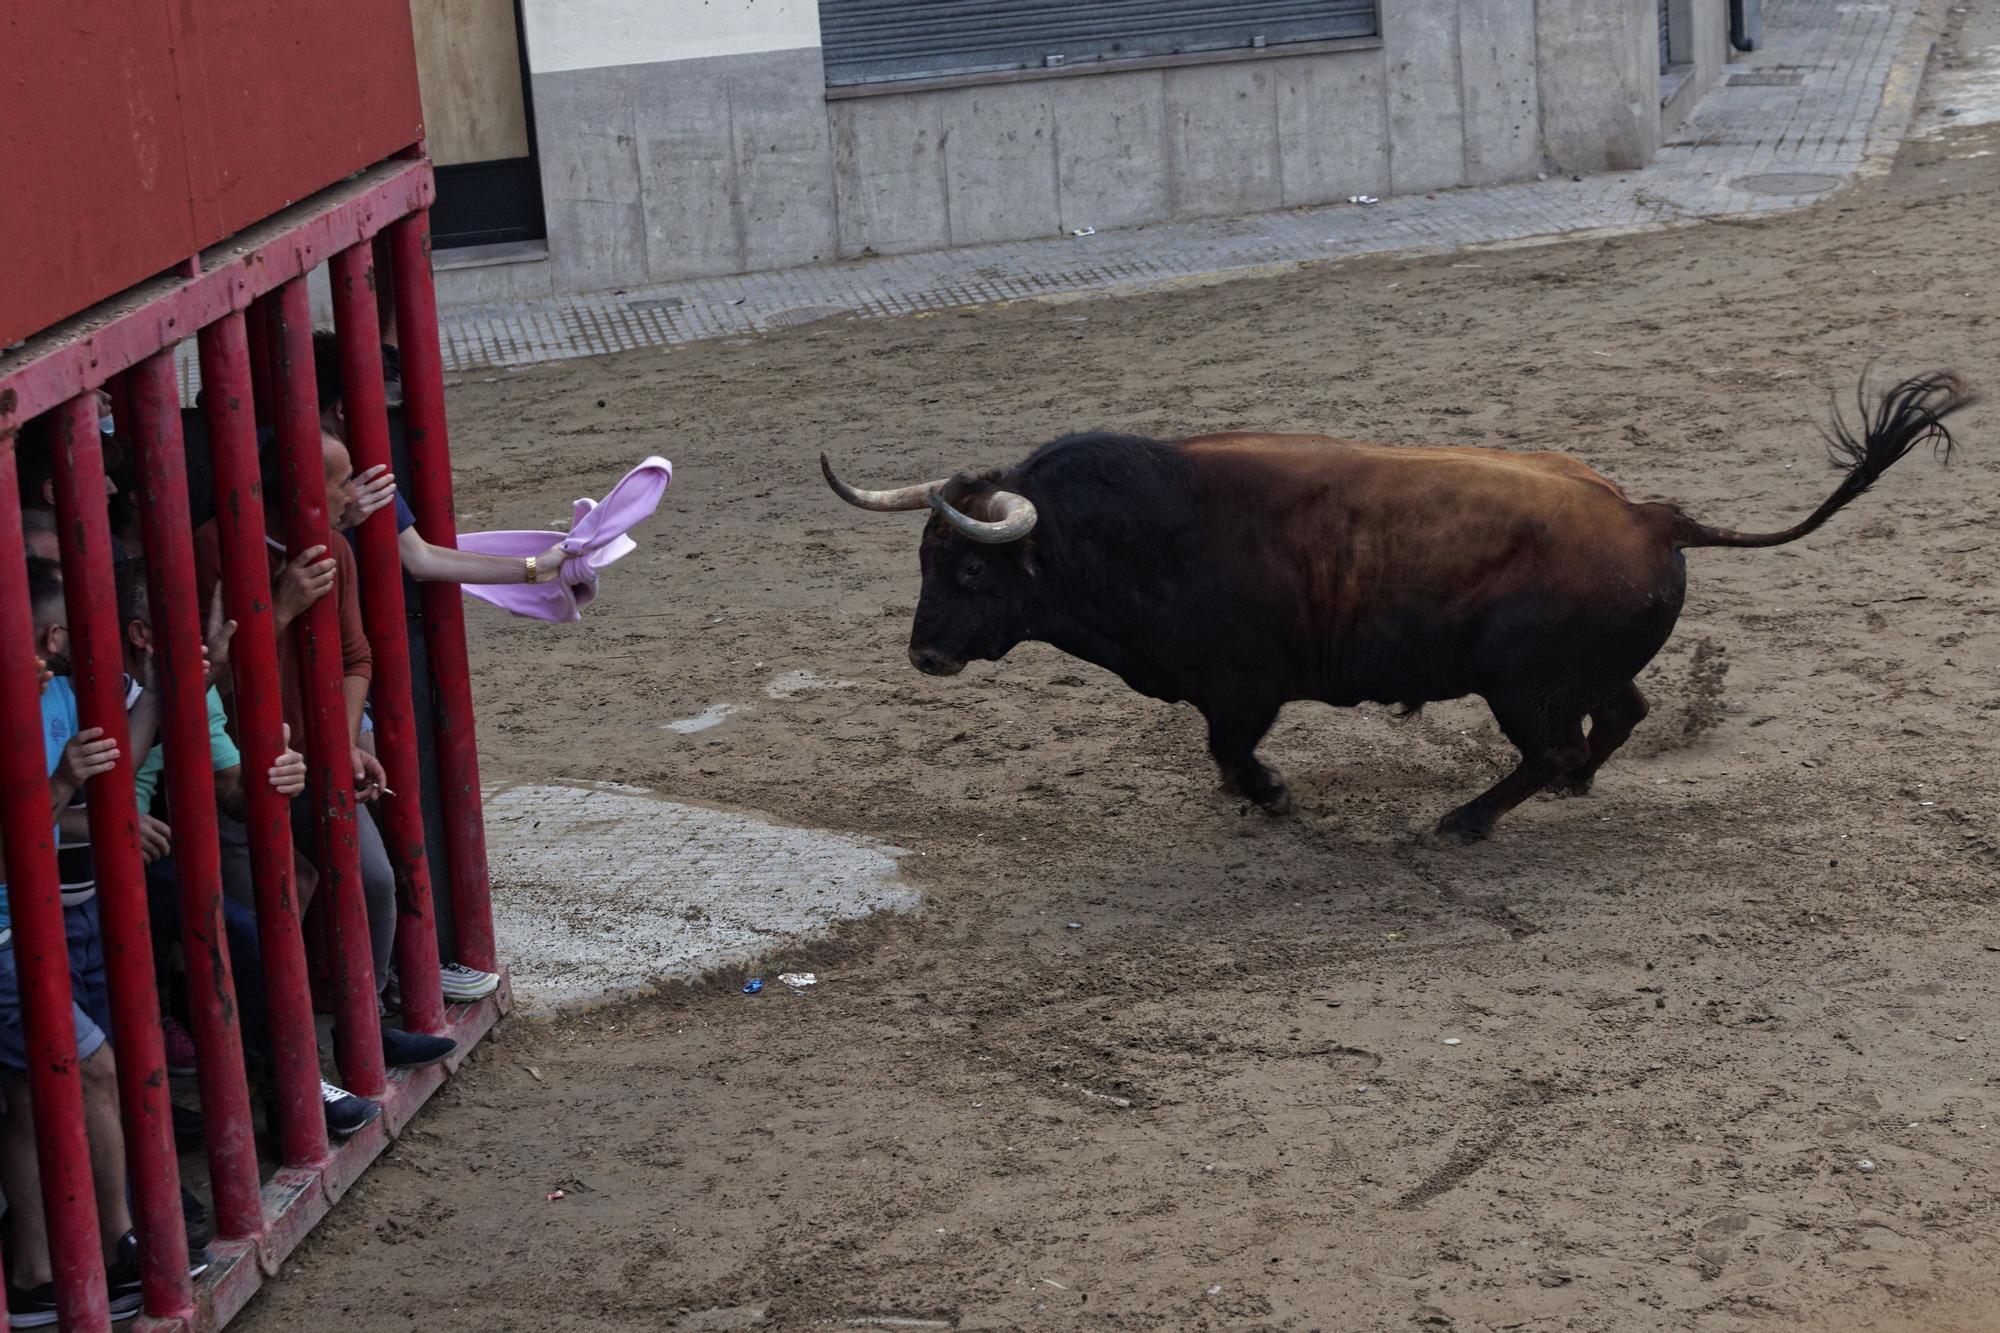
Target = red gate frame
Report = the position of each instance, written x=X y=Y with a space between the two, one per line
x=125 y=344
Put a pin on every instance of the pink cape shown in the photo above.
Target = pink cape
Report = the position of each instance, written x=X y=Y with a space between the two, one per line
x=596 y=538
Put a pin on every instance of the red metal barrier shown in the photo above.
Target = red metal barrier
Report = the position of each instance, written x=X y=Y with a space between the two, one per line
x=402 y=819
x=330 y=724
x=246 y=591
x=41 y=950
x=444 y=608
x=177 y=622
x=97 y=675
x=256 y=278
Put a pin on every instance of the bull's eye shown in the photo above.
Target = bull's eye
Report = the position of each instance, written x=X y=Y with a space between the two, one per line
x=971 y=569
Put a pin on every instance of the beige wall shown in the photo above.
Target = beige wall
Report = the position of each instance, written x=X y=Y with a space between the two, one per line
x=469 y=65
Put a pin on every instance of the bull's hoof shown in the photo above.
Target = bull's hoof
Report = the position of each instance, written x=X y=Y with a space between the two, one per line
x=1460 y=831
x=1576 y=786
x=1277 y=801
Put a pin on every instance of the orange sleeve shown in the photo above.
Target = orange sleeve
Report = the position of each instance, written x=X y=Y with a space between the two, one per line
x=356 y=658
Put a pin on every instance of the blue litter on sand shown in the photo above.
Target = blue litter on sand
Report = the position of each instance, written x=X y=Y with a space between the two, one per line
x=752 y=986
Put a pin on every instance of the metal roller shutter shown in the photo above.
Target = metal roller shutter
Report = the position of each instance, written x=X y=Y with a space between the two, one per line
x=873 y=41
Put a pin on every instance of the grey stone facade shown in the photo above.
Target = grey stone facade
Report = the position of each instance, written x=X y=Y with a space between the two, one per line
x=742 y=163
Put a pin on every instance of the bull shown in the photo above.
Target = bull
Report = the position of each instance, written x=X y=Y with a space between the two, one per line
x=1240 y=572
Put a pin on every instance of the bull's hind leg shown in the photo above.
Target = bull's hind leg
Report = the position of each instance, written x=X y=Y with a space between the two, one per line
x=1611 y=724
x=1233 y=733
x=1550 y=738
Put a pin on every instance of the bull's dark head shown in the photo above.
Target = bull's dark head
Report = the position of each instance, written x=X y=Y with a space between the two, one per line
x=979 y=596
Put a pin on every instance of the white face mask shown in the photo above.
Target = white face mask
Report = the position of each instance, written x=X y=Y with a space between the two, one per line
x=105 y=426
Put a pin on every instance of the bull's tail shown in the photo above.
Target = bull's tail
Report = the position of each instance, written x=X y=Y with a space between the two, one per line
x=1908 y=415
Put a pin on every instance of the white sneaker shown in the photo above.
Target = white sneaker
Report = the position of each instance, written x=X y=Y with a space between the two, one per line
x=463 y=984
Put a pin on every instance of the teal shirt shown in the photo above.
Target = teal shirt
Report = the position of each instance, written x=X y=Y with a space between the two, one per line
x=222 y=754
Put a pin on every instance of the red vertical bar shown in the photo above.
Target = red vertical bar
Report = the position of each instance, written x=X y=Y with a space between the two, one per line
x=246 y=592
x=382 y=605
x=257 y=333
x=329 y=735
x=41 y=945
x=177 y=664
x=444 y=608
x=97 y=673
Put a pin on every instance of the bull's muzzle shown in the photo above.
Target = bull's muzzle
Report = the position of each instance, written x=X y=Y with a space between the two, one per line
x=934 y=663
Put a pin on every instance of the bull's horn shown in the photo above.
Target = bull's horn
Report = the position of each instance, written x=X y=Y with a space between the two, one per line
x=903 y=497
x=1017 y=517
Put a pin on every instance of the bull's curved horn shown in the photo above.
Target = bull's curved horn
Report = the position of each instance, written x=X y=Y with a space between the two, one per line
x=1017 y=517
x=903 y=497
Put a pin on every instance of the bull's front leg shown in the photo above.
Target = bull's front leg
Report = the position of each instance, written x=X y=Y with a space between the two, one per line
x=1233 y=733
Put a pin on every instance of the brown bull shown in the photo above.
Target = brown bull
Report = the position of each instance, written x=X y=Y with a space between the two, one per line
x=1241 y=572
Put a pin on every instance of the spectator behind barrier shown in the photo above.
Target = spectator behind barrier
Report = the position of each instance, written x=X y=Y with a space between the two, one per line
x=38 y=533
x=34 y=462
x=345 y=1113
x=75 y=756
x=376 y=489
x=297 y=583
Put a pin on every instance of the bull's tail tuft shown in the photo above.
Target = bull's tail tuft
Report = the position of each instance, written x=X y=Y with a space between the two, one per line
x=1908 y=415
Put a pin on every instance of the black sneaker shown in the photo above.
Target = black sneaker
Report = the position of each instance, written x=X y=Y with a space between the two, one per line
x=31 y=1307
x=195 y=1218
x=35 y=1307
x=123 y=1277
x=345 y=1112
x=121 y=1283
x=413 y=1050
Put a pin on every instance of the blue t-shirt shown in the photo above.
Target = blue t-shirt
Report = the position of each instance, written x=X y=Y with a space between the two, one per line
x=59 y=724
x=405 y=520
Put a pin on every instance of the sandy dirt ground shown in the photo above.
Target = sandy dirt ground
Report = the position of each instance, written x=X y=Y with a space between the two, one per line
x=1686 y=1010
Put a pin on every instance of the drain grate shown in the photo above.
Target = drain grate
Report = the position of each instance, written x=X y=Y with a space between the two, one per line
x=1767 y=79
x=804 y=314
x=1788 y=182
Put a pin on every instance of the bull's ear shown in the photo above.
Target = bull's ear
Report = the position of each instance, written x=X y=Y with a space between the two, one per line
x=1030 y=565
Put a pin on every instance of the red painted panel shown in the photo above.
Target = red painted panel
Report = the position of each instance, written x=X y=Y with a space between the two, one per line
x=134 y=134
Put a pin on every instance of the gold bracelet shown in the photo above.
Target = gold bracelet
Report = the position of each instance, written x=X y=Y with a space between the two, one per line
x=534 y=574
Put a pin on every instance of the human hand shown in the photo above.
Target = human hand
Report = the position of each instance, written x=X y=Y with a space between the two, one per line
x=42 y=674
x=550 y=562
x=370 y=781
x=306 y=577
x=89 y=754
x=367 y=492
x=156 y=839
x=288 y=771
x=216 y=641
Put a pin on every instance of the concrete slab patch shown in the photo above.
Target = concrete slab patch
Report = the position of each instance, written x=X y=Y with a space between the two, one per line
x=605 y=888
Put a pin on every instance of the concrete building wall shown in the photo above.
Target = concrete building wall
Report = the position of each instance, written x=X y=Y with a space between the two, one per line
x=683 y=138
x=1701 y=53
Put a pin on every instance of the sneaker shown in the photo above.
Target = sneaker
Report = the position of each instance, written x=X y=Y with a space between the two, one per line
x=413 y=1050
x=345 y=1112
x=123 y=1275
x=463 y=984
x=121 y=1278
x=194 y=1218
x=35 y=1307
x=180 y=1048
